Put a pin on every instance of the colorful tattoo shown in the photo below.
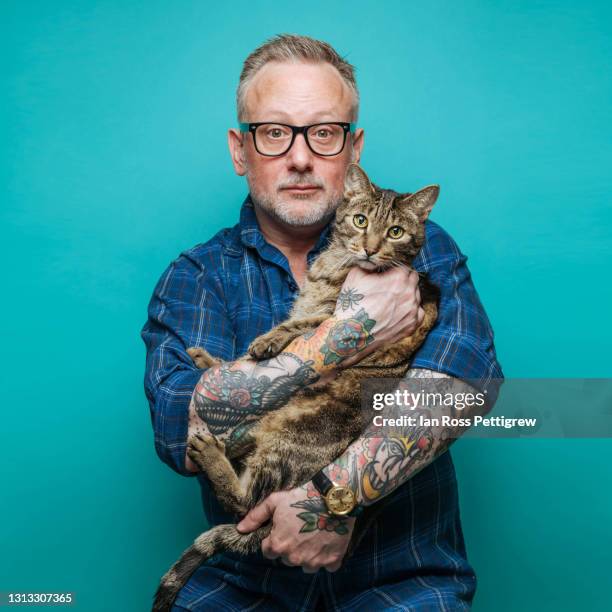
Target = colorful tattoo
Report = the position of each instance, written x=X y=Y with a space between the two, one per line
x=376 y=464
x=227 y=396
x=387 y=460
x=232 y=396
x=315 y=515
x=347 y=337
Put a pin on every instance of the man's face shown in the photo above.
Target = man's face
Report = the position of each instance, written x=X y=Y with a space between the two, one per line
x=298 y=188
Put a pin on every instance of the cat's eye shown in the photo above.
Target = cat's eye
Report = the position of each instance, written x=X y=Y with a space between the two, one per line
x=360 y=221
x=395 y=232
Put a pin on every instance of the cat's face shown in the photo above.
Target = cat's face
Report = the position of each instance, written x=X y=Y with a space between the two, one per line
x=380 y=228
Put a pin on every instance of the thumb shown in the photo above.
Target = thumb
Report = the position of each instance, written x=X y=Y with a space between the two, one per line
x=257 y=516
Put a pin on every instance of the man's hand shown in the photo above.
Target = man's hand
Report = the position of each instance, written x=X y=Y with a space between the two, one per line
x=303 y=533
x=391 y=298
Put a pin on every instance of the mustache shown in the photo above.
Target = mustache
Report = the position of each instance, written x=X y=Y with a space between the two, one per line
x=300 y=179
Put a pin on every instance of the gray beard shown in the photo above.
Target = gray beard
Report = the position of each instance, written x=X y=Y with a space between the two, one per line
x=283 y=211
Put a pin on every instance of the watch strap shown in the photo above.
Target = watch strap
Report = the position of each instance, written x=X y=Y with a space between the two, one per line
x=322 y=483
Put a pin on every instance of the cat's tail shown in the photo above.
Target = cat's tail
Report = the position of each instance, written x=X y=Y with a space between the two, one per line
x=223 y=538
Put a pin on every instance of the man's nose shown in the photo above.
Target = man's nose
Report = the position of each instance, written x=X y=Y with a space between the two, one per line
x=300 y=157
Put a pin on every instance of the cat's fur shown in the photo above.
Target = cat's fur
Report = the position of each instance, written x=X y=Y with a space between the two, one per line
x=317 y=424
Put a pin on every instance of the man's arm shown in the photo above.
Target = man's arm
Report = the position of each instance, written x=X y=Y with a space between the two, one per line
x=379 y=462
x=187 y=309
x=459 y=347
x=229 y=398
x=373 y=466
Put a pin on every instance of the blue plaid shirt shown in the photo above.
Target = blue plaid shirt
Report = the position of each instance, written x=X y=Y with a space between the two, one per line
x=224 y=293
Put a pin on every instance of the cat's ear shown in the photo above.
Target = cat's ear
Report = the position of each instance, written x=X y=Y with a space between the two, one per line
x=356 y=181
x=421 y=202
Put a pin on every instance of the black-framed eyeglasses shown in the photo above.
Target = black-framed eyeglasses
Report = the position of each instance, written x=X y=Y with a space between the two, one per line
x=275 y=139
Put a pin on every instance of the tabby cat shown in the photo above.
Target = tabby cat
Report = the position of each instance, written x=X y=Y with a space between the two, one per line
x=316 y=424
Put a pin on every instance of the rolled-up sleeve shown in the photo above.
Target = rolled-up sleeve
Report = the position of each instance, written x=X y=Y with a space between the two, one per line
x=187 y=309
x=461 y=344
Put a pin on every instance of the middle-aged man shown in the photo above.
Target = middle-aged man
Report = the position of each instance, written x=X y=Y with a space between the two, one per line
x=293 y=92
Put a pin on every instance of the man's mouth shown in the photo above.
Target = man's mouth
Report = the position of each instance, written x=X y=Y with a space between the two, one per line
x=301 y=188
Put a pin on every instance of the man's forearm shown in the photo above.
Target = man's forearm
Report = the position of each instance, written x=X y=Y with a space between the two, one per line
x=374 y=465
x=230 y=398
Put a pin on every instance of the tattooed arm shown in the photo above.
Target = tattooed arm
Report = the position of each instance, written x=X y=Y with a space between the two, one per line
x=377 y=462
x=229 y=398
x=305 y=533
x=461 y=344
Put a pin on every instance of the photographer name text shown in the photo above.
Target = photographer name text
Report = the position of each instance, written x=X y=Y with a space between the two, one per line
x=449 y=421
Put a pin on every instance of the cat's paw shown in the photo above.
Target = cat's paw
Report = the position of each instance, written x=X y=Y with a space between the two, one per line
x=267 y=346
x=201 y=448
x=202 y=358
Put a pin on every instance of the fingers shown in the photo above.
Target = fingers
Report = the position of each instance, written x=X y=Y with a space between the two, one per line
x=413 y=279
x=290 y=560
x=357 y=274
x=333 y=567
x=268 y=549
x=354 y=274
x=312 y=566
x=257 y=516
x=272 y=548
x=329 y=565
x=420 y=315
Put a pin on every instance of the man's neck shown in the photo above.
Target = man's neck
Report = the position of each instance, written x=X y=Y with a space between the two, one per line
x=294 y=242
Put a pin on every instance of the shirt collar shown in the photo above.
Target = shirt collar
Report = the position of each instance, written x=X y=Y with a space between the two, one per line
x=250 y=234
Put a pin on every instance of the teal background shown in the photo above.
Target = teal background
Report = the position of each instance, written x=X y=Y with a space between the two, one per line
x=113 y=159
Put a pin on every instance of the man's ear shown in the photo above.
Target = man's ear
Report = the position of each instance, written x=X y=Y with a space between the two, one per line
x=236 y=142
x=357 y=145
x=421 y=202
x=356 y=181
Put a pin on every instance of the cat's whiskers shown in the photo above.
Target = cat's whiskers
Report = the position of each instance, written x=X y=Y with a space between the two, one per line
x=342 y=259
x=342 y=263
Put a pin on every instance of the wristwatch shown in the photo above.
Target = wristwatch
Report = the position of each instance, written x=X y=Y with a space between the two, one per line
x=339 y=499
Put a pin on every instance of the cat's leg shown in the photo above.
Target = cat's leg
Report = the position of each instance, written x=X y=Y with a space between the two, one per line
x=208 y=453
x=273 y=342
x=202 y=358
x=297 y=440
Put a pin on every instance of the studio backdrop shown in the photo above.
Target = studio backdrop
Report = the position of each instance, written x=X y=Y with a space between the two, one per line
x=114 y=160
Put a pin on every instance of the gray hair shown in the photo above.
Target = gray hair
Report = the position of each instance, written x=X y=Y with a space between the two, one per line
x=294 y=48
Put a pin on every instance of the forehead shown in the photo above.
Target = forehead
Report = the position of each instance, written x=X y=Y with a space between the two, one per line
x=381 y=206
x=297 y=92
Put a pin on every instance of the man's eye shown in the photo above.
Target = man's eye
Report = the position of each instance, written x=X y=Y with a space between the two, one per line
x=275 y=133
x=323 y=134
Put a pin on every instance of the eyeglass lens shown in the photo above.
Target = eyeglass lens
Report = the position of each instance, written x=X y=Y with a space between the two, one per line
x=275 y=139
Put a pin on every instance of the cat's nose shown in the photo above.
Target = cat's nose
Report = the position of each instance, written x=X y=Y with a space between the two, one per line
x=368 y=252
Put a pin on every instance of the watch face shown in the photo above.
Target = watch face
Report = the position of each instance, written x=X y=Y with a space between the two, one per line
x=340 y=500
